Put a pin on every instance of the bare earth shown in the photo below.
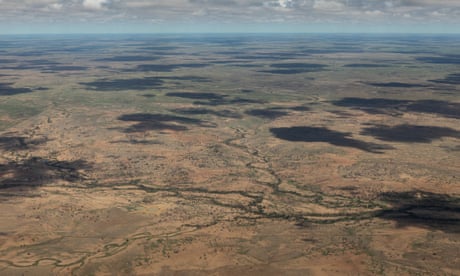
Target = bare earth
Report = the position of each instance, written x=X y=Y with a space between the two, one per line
x=224 y=169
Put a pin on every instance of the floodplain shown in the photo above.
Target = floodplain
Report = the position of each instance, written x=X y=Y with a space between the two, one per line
x=230 y=154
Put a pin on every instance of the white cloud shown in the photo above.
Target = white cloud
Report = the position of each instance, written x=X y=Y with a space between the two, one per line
x=56 y=6
x=438 y=14
x=214 y=12
x=200 y=12
x=327 y=5
x=285 y=3
x=374 y=13
x=95 y=4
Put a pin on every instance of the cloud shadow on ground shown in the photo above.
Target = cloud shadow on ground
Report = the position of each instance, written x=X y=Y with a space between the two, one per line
x=7 y=90
x=447 y=59
x=20 y=142
x=237 y=101
x=322 y=134
x=205 y=111
x=453 y=79
x=127 y=58
x=149 y=121
x=149 y=96
x=294 y=68
x=387 y=106
x=396 y=84
x=60 y=68
x=422 y=209
x=37 y=171
x=365 y=65
x=167 y=67
x=410 y=133
x=124 y=84
x=196 y=95
x=267 y=113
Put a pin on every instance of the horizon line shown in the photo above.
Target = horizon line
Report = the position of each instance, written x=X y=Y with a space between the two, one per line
x=230 y=33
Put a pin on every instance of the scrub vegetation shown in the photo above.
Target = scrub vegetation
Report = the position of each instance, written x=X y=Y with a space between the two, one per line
x=224 y=155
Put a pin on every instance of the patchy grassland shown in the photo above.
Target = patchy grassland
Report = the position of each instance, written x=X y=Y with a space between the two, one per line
x=292 y=155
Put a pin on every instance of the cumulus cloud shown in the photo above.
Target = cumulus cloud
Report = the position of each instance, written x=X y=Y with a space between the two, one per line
x=285 y=3
x=95 y=4
x=213 y=12
x=56 y=6
x=374 y=13
x=326 y=5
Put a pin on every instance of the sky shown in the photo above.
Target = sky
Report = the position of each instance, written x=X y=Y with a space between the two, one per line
x=229 y=16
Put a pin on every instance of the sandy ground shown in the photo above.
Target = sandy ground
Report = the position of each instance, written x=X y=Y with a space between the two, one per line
x=304 y=176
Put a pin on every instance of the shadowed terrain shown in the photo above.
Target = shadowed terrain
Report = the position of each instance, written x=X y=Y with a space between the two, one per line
x=322 y=134
x=294 y=68
x=146 y=83
x=266 y=56
x=36 y=171
x=59 y=68
x=365 y=65
x=3 y=61
x=447 y=59
x=449 y=79
x=148 y=121
x=420 y=208
x=370 y=103
x=396 y=84
x=128 y=58
x=7 y=90
x=171 y=154
x=443 y=108
x=42 y=62
x=204 y=111
x=167 y=67
x=194 y=95
x=148 y=96
x=186 y=78
x=333 y=50
x=44 y=65
x=267 y=113
x=20 y=143
x=226 y=101
x=410 y=133
x=383 y=106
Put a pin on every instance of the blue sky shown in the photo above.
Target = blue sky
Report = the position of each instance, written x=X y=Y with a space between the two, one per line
x=221 y=16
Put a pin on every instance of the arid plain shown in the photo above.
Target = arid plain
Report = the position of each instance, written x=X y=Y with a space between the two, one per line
x=230 y=155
